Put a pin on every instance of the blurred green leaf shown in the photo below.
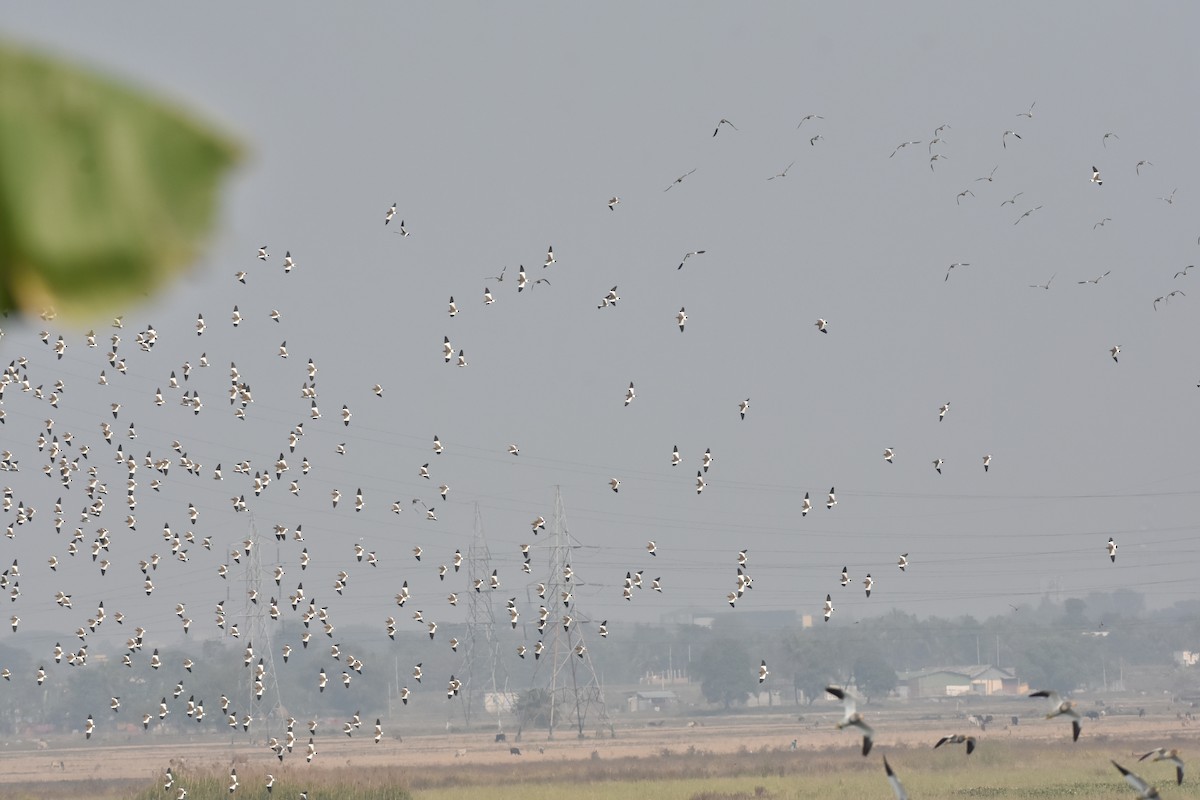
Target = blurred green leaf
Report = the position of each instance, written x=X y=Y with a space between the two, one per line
x=104 y=192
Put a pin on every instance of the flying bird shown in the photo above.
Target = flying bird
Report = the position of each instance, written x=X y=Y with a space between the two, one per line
x=723 y=122
x=391 y=212
x=851 y=718
x=1145 y=791
x=1061 y=707
x=1096 y=177
x=688 y=255
x=781 y=174
x=952 y=266
x=1028 y=113
x=1004 y=138
x=1114 y=351
x=1142 y=163
x=680 y=179
x=1107 y=136
x=957 y=738
x=1026 y=214
x=897 y=788
x=1163 y=754
x=1045 y=285
x=1111 y=547
x=807 y=117
x=902 y=145
x=1095 y=280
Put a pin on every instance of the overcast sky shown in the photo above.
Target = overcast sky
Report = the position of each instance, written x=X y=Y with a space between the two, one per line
x=501 y=129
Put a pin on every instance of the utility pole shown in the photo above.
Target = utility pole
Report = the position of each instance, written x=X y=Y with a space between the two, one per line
x=483 y=670
x=263 y=705
x=575 y=693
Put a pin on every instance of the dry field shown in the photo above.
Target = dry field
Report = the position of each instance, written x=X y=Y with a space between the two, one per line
x=721 y=758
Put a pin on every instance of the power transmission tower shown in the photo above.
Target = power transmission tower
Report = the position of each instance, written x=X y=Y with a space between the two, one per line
x=482 y=667
x=264 y=704
x=574 y=695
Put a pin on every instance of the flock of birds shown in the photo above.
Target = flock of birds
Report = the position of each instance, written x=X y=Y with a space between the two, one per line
x=73 y=459
x=1058 y=707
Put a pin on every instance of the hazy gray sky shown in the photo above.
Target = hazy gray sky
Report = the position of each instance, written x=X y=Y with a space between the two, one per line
x=499 y=130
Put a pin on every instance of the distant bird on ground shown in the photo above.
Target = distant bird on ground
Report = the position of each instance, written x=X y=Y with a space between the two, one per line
x=1163 y=754
x=1061 y=707
x=1145 y=791
x=1112 y=549
x=957 y=738
x=723 y=122
x=851 y=718
x=897 y=788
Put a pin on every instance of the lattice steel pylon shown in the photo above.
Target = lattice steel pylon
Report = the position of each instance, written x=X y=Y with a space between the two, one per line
x=264 y=706
x=575 y=695
x=483 y=671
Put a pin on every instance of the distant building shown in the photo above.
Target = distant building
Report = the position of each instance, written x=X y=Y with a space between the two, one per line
x=1186 y=658
x=652 y=701
x=955 y=681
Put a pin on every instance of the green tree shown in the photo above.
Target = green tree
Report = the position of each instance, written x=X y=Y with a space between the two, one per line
x=728 y=674
x=873 y=675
